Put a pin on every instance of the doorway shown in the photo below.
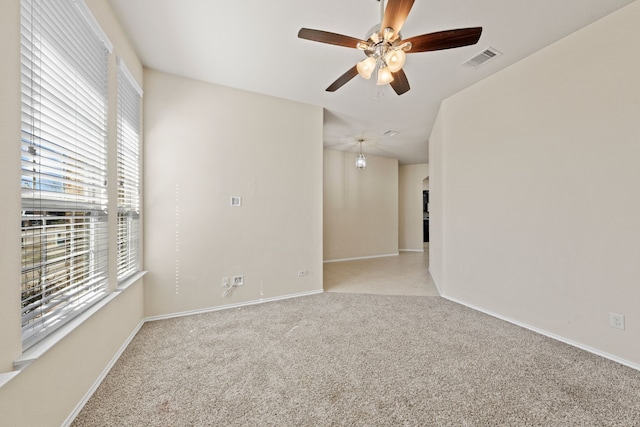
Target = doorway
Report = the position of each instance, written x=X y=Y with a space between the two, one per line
x=425 y=212
x=425 y=216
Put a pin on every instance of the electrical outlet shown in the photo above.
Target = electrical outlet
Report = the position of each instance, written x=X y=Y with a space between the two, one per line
x=616 y=320
x=238 y=280
x=302 y=273
x=225 y=282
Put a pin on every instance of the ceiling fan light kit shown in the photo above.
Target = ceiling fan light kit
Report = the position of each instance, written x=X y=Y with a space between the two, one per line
x=385 y=49
x=395 y=60
x=384 y=53
x=385 y=76
x=366 y=67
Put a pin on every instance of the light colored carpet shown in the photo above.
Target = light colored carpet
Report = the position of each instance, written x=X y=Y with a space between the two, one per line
x=337 y=359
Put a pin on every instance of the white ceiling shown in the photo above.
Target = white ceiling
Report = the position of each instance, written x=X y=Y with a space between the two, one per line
x=253 y=45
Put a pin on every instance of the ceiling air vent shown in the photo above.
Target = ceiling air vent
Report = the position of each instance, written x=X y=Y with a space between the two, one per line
x=482 y=58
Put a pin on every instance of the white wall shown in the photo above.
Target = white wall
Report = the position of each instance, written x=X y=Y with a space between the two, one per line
x=410 y=205
x=47 y=391
x=535 y=192
x=360 y=206
x=203 y=144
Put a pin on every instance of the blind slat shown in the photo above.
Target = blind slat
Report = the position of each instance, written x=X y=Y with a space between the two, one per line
x=128 y=137
x=64 y=168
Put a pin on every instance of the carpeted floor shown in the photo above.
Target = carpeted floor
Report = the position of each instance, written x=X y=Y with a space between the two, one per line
x=358 y=360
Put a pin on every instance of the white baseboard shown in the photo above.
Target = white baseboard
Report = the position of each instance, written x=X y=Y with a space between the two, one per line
x=101 y=377
x=549 y=334
x=435 y=283
x=411 y=250
x=362 y=257
x=228 y=306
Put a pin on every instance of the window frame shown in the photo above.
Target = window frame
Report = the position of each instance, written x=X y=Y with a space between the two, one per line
x=128 y=143
x=65 y=102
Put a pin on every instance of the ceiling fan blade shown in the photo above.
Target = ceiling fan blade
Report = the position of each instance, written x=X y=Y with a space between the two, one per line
x=395 y=14
x=343 y=79
x=444 y=39
x=327 y=37
x=400 y=84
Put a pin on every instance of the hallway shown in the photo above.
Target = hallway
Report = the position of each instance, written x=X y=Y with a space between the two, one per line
x=405 y=274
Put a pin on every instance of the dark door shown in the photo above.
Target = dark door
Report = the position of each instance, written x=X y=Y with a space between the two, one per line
x=425 y=215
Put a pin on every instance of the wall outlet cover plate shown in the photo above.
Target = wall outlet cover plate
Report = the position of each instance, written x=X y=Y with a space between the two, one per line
x=616 y=320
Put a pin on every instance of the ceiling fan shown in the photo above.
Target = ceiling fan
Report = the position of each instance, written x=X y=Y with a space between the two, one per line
x=385 y=49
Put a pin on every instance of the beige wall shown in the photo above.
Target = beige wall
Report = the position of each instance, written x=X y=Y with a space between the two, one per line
x=410 y=186
x=203 y=144
x=538 y=189
x=64 y=374
x=9 y=184
x=436 y=201
x=47 y=392
x=360 y=206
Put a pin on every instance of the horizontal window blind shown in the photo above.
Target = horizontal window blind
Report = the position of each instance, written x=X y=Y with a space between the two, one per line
x=129 y=98
x=64 y=198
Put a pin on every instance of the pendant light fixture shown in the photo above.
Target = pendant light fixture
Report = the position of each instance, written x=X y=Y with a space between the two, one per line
x=361 y=160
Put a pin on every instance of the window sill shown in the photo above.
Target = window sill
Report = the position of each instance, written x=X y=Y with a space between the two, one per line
x=37 y=350
x=6 y=377
x=130 y=281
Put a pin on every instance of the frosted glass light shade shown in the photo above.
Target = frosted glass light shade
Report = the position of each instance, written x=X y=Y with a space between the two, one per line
x=384 y=76
x=361 y=161
x=366 y=66
x=395 y=60
x=388 y=34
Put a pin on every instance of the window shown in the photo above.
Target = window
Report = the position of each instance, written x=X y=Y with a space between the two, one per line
x=129 y=97
x=64 y=133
